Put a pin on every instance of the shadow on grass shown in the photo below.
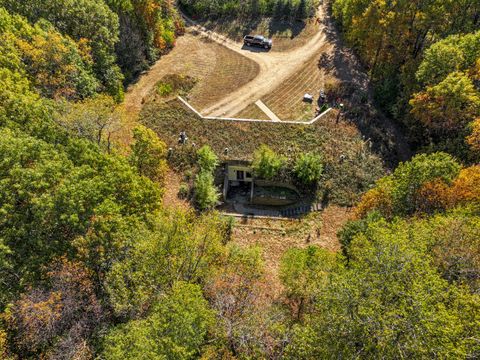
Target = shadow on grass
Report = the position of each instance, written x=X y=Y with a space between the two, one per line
x=255 y=49
x=236 y=28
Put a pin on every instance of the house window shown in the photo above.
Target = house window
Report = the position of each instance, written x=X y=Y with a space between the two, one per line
x=240 y=175
x=248 y=175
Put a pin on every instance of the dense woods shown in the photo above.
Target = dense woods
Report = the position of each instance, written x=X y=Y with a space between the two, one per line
x=94 y=266
x=287 y=9
x=422 y=57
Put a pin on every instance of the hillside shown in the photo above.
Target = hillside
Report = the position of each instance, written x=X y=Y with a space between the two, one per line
x=169 y=190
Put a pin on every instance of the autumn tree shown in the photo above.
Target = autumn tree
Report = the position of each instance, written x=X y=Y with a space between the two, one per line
x=56 y=65
x=100 y=34
x=59 y=318
x=149 y=154
x=449 y=106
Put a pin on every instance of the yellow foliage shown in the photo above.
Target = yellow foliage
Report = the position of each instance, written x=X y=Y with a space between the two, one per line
x=474 y=138
x=466 y=188
x=378 y=198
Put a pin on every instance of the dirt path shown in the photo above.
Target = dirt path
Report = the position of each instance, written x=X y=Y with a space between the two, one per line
x=275 y=68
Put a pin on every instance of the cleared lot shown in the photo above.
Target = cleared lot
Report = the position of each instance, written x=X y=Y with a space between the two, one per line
x=217 y=69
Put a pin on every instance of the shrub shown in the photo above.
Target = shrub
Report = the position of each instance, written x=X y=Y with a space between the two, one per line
x=164 y=89
x=206 y=159
x=309 y=168
x=206 y=194
x=266 y=163
x=183 y=191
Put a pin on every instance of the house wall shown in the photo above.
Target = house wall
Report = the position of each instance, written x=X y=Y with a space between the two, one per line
x=232 y=172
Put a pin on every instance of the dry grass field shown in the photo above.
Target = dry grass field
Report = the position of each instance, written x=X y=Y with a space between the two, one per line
x=287 y=99
x=217 y=69
x=275 y=237
x=228 y=72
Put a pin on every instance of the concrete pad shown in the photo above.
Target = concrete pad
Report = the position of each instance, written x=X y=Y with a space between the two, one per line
x=267 y=111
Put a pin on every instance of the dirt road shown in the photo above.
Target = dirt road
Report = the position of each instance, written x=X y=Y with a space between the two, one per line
x=275 y=68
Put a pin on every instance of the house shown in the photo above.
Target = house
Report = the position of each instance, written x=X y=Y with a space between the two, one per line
x=239 y=171
x=240 y=184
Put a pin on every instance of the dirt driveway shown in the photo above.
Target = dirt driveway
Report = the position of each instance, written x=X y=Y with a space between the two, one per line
x=275 y=68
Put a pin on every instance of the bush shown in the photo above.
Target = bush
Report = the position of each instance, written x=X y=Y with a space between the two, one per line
x=206 y=194
x=183 y=191
x=309 y=168
x=266 y=163
x=206 y=159
x=164 y=89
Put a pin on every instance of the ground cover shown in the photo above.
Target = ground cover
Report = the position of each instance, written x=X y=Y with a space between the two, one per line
x=350 y=167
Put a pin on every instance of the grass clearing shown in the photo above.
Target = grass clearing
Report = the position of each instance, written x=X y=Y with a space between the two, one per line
x=228 y=72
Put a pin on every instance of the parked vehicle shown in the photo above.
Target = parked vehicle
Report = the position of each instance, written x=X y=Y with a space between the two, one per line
x=258 y=40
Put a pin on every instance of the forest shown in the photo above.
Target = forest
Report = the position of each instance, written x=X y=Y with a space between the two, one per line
x=296 y=9
x=94 y=265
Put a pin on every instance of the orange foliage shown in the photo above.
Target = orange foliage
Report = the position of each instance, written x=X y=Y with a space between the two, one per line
x=35 y=319
x=432 y=196
x=48 y=60
x=379 y=199
x=59 y=317
x=466 y=188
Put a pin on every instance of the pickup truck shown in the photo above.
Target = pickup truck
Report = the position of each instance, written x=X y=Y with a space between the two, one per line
x=257 y=40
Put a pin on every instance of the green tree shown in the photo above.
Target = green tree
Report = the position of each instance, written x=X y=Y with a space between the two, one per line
x=206 y=159
x=51 y=194
x=309 y=168
x=175 y=329
x=205 y=192
x=266 y=163
x=390 y=302
x=149 y=154
x=304 y=272
x=449 y=106
x=179 y=246
x=96 y=119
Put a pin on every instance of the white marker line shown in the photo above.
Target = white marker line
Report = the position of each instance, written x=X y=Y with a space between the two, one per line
x=253 y=120
x=266 y=110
